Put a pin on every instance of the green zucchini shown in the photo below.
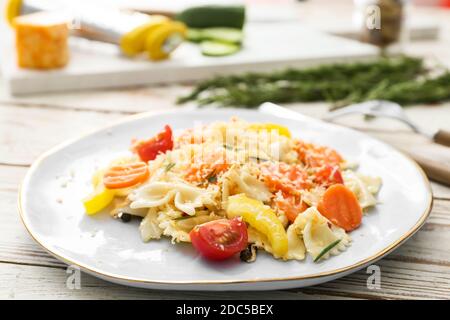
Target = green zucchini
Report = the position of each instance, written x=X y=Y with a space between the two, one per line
x=208 y=16
x=218 y=49
x=230 y=35
x=195 y=35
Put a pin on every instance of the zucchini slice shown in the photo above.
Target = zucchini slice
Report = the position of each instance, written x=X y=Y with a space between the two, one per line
x=218 y=49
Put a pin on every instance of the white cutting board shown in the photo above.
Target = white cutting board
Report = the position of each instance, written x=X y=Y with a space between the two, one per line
x=266 y=47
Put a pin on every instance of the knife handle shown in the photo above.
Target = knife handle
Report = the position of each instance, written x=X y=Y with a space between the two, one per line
x=434 y=160
x=442 y=137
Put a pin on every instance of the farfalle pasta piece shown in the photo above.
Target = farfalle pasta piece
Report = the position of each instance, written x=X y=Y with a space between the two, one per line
x=185 y=197
x=171 y=230
x=364 y=187
x=250 y=185
x=318 y=233
x=312 y=196
x=151 y=195
x=149 y=226
x=256 y=164
x=187 y=224
x=373 y=184
x=296 y=247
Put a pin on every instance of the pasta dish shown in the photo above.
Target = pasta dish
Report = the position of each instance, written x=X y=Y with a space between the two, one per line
x=234 y=188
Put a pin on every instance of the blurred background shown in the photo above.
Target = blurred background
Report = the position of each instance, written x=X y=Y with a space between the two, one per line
x=118 y=43
x=315 y=56
x=69 y=67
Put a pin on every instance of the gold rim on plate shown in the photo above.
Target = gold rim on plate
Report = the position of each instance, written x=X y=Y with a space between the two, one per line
x=115 y=277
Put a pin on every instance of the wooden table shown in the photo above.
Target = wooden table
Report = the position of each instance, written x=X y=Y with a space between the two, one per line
x=420 y=269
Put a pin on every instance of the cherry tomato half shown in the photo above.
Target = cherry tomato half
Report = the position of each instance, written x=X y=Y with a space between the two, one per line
x=220 y=239
x=149 y=149
x=125 y=175
x=328 y=175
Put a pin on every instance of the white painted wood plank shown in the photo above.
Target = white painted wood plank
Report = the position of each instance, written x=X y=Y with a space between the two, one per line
x=124 y=101
x=440 y=191
x=26 y=132
x=31 y=282
x=399 y=280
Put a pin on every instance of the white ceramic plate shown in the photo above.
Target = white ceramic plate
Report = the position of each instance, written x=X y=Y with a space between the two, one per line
x=51 y=209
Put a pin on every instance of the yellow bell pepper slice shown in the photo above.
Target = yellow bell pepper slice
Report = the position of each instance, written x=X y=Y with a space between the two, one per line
x=282 y=130
x=101 y=197
x=262 y=218
x=98 y=200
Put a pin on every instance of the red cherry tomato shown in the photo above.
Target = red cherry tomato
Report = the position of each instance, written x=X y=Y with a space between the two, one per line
x=149 y=149
x=220 y=239
x=328 y=175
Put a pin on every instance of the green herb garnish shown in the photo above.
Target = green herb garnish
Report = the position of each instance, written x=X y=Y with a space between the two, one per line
x=258 y=158
x=326 y=249
x=404 y=80
x=212 y=177
x=228 y=147
x=169 y=166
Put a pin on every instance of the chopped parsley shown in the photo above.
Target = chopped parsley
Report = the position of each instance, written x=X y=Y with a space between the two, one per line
x=212 y=177
x=169 y=166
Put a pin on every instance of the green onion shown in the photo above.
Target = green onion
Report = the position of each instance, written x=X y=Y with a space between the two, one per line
x=169 y=166
x=326 y=249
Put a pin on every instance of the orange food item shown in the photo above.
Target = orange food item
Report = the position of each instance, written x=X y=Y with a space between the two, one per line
x=207 y=167
x=327 y=175
x=340 y=205
x=126 y=175
x=41 y=40
x=284 y=177
x=315 y=156
x=291 y=206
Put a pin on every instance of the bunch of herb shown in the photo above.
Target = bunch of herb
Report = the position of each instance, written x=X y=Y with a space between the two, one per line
x=402 y=79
